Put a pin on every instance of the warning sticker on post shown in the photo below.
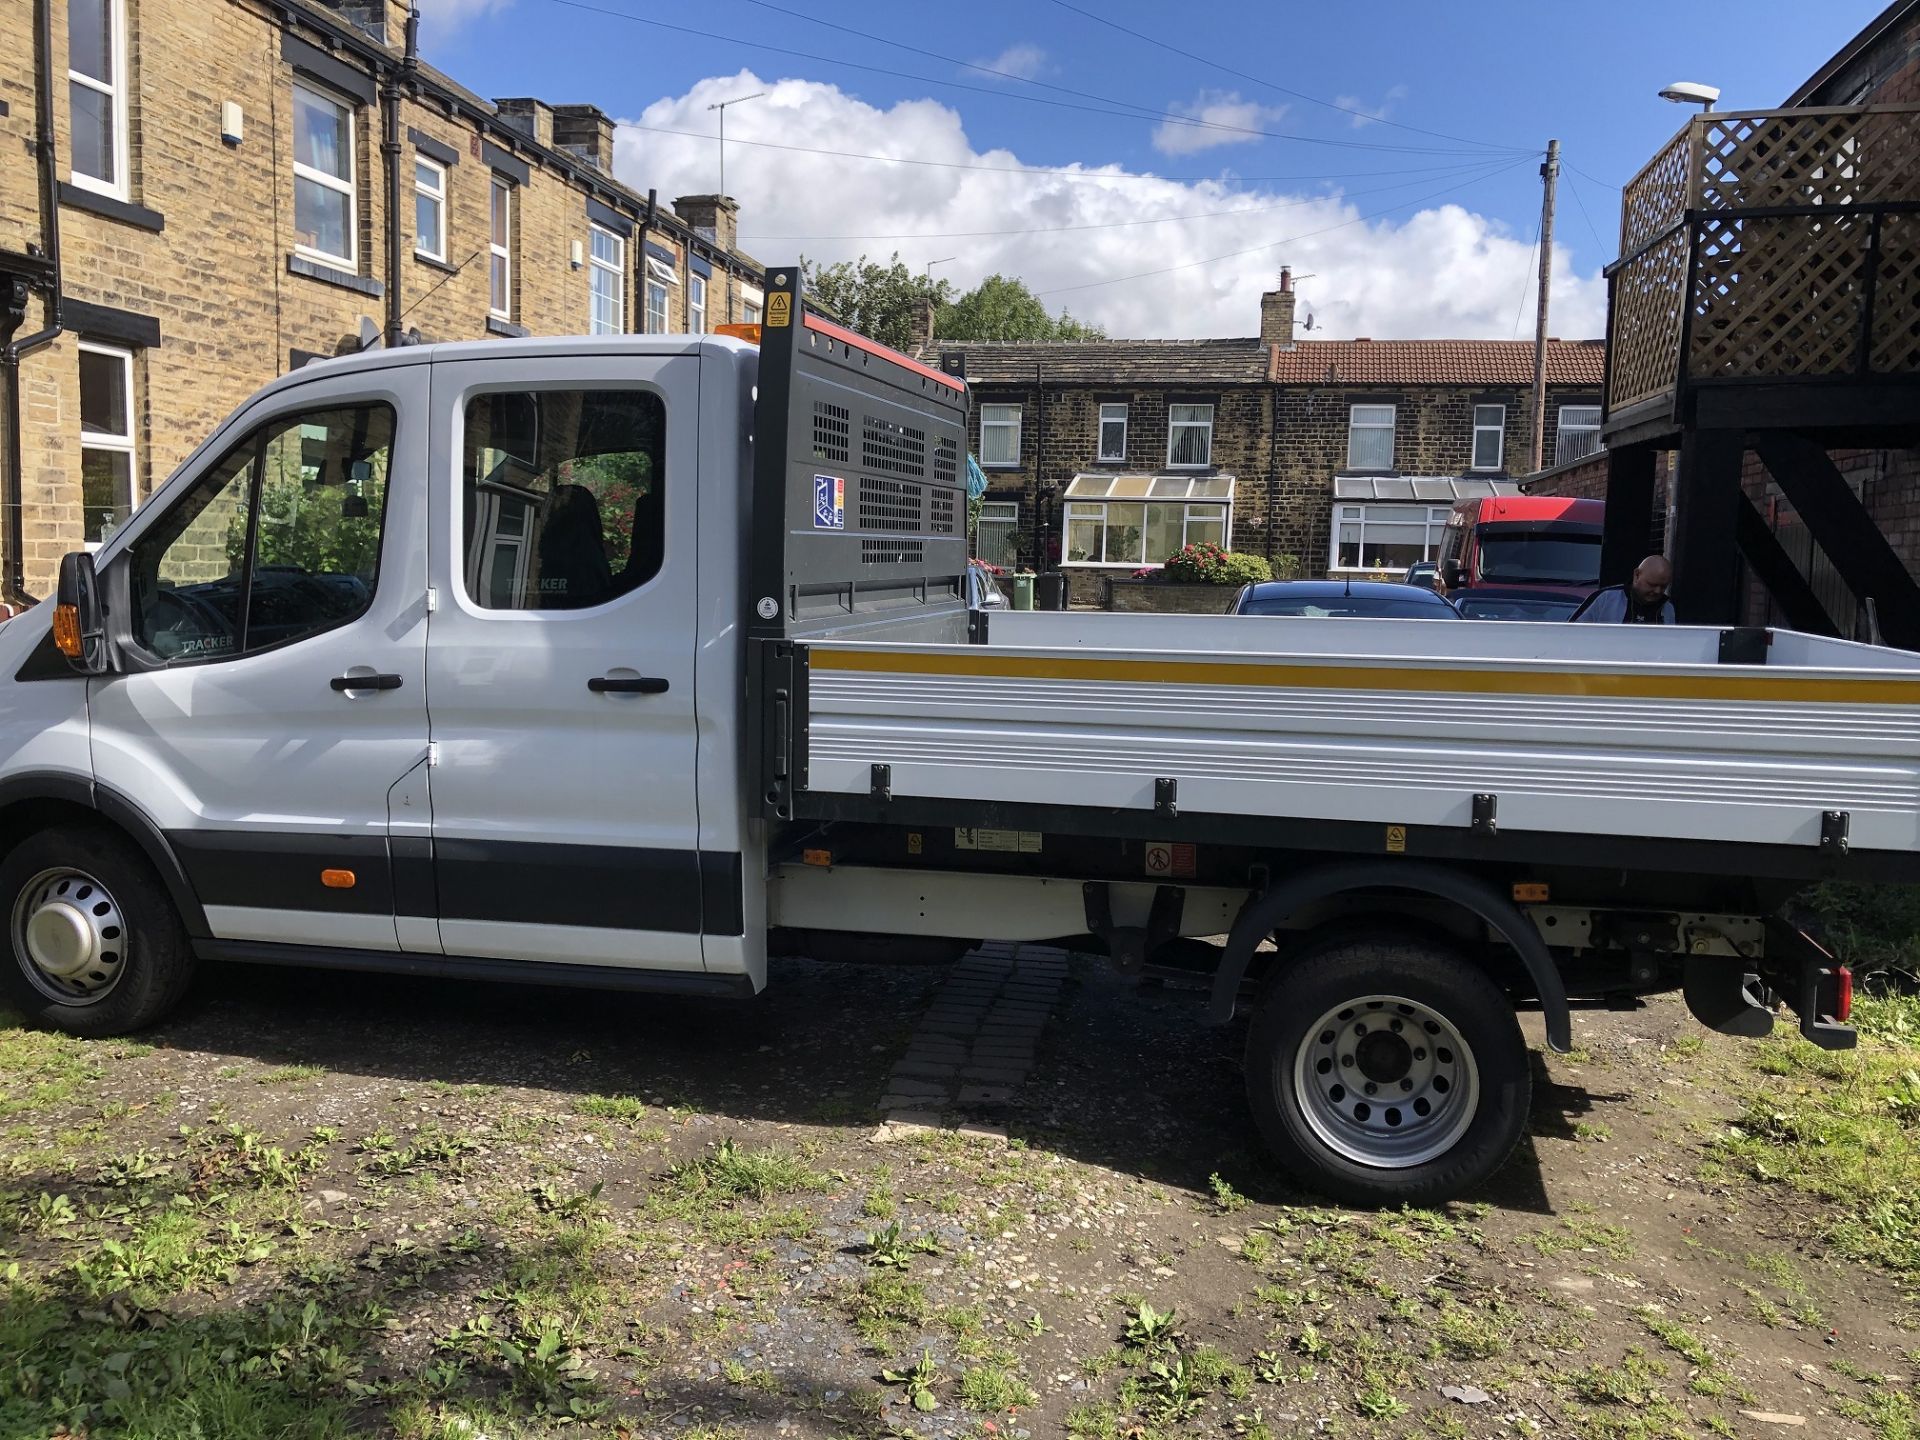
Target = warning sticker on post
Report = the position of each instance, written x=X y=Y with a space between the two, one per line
x=779 y=310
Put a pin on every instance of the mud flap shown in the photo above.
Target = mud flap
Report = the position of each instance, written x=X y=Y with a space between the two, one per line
x=1724 y=996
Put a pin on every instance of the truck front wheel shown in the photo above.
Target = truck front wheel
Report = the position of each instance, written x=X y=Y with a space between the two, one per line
x=1387 y=1073
x=93 y=944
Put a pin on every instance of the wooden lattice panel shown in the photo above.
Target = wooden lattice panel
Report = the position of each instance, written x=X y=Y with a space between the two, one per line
x=1655 y=199
x=1778 y=296
x=1645 y=358
x=1895 y=345
x=1806 y=157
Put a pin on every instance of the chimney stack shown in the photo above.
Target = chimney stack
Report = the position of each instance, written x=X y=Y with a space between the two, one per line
x=717 y=215
x=920 y=327
x=532 y=118
x=1276 y=312
x=585 y=130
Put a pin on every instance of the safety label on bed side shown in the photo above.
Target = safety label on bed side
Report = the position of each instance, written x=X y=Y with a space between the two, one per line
x=1175 y=861
x=829 y=502
x=1019 y=842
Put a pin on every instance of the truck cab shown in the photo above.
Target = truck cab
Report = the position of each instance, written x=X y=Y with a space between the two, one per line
x=1521 y=557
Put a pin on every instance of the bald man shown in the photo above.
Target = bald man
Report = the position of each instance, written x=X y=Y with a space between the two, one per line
x=1643 y=602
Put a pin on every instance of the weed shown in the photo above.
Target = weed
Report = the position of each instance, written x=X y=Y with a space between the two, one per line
x=51 y=1214
x=1149 y=1329
x=549 y=1201
x=1170 y=1389
x=1635 y=1381
x=1675 y=1336
x=1311 y=1343
x=1579 y=1233
x=626 y=1108
x=1590 y=1130
x=1097 y=1420
x=991 y=1386
x=964 y=1321
x=885 y=1305
x=1468 y=1333
x=1376 y=1401
x=291 y=1074
x=917 y=1382
x=1256 y=1246
x=1228 y=1199
x=879 y=1204
x=730 y=1172
x=888 y=1249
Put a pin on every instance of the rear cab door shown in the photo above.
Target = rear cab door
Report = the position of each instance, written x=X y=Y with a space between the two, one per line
x=561 y=656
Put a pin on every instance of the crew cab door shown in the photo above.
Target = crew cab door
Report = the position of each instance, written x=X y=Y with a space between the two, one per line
x=269 y=610
x=560 y=661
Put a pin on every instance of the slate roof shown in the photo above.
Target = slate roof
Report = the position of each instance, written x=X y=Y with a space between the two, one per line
x=1248 y=362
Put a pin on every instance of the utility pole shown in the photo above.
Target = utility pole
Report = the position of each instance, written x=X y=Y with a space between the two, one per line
x=1549 y=174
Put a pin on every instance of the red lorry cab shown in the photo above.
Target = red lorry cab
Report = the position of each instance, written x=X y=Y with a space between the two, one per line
x=1521 y=556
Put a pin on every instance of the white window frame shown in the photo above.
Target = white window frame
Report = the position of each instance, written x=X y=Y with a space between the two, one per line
x=117 y=93
x=753 y=304
x=438 y=250
x=659 y=320
x=598 y=272
x=1355 y=425
x=350 y=187
x=1498 y=428
x=1561 y=428
x=500 y=186
x=1108 y=417
x=696 y=304
x=1001 y=513
x=123 y=444
x=1347 y=512
x=1174 y=425
x=1183 y=489
x=1000 y=422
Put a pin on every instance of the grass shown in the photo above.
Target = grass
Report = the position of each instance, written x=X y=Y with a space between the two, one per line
x=1844 y=1128
x=727 y=1172
x=39 y=1069
x=994 y=1386
x=291 y=1074
x=625 y=1108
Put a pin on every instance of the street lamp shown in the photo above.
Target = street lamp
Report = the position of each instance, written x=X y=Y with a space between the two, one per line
x=1688 y=92
x=721 y=106
x=932 y=263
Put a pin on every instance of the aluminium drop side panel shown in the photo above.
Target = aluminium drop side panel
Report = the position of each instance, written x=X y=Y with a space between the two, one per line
x=1624 y=731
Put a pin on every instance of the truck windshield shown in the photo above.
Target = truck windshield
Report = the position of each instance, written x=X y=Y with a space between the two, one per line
x=1514 y=557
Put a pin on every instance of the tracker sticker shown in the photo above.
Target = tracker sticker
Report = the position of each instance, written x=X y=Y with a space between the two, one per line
x=829 y=502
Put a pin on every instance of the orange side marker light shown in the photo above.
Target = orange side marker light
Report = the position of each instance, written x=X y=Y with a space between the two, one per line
x=337 y=879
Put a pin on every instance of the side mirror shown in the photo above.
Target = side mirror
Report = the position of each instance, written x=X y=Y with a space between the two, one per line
x=1450 y=574
x=79 y=618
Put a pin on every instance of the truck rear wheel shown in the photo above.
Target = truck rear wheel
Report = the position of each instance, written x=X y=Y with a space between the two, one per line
x=94 y=946
x=1387 y=1073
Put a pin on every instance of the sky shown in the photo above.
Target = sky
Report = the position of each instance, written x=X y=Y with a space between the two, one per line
x=1150 y=168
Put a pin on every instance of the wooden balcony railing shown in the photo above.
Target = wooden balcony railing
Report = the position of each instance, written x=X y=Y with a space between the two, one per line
x=1770 y=245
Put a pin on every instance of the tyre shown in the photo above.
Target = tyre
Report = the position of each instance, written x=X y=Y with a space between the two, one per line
x=1387 y=1072
x=95 y=946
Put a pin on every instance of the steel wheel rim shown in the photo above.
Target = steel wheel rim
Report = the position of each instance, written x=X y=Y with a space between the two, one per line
x=70 y=936
x=1386 y=1081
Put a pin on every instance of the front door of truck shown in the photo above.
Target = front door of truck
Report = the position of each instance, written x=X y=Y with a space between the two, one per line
x=273 y=607
x=560 y=660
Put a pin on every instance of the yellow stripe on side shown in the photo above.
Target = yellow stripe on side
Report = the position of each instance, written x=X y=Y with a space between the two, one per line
x=976 y=663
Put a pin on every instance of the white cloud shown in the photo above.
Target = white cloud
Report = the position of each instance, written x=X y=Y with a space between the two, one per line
x=1367 y=114
x=1433 y=270
x=1215 y=108
x=1025 y=61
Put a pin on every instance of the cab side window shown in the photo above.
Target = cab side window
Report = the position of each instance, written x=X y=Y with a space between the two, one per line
x=562 y=500
x=277 y=541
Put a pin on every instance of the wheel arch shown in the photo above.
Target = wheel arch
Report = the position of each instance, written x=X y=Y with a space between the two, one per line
x=1480 y=898
x=36 y=801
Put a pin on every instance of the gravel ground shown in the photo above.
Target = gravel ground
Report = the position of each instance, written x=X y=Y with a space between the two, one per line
x=506 y=1211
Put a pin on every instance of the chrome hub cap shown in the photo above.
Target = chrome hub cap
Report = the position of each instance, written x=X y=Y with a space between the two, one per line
x=69 y=933
x=1386 y=1082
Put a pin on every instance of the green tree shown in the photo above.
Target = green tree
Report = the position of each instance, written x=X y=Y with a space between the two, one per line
x=1001 y=307
x=880 y=301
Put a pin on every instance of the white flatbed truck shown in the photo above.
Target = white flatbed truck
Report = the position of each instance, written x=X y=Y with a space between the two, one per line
x=617 y=662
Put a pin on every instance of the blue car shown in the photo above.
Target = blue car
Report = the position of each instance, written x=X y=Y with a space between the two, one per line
x=1344 y=599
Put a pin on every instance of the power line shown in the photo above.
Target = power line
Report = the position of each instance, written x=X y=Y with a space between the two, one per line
x=1526 y=279
x=1029 y=80
x=1063 y=172
x=1131 y=112
x=1603 y=184
x=1500 y=169
x=1591 y=228
x=1112 y=224
x=1159 y=44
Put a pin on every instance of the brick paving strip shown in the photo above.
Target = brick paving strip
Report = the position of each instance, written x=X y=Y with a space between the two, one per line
x=975 y=1044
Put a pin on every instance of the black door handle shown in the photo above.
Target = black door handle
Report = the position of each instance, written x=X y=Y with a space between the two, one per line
x=627 y=685
x=365 y=682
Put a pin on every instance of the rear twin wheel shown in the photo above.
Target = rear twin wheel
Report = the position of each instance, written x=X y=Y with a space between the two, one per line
x=1387 y=1073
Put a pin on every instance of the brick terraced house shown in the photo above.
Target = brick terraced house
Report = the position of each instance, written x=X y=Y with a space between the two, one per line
x=1327 y=457
x=195 y=198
